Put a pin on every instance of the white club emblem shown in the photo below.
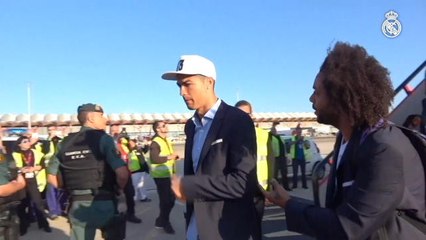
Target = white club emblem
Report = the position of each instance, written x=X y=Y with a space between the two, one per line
x=391 y=27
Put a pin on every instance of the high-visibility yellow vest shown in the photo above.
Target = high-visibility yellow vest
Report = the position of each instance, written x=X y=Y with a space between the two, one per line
x=40 y=175
x=38 y=146
x=262 y=156
x=163 y=170
x=134 y=163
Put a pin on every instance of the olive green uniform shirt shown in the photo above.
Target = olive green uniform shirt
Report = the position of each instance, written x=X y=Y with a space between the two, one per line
x=5 y=163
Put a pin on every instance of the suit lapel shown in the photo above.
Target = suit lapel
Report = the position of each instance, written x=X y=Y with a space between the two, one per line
x=214 y=130
x=188 y=163
x=347 y=162
x=331 y=185
x=346 y=170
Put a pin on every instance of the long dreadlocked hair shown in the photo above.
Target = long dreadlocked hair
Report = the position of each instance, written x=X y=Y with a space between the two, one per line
x=357 y=84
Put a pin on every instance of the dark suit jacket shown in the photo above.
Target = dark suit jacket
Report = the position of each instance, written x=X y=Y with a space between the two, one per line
x=374 y=179
x=221 y=191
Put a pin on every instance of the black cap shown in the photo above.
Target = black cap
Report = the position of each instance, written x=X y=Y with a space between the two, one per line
x=90 y=107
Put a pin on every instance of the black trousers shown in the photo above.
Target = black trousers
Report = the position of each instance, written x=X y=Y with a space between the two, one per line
x=167 y=200
x=9 y=223
x=296 y=163
x=259 y=204
x=33 y=195
x=129 y=193
x=281 y=166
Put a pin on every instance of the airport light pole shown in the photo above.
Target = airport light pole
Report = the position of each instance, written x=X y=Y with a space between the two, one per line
x=29 y=105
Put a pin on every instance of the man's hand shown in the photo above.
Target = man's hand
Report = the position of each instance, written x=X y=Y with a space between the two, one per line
x=177 y=187
x=26 y=169
x=20 y=181
x=278 y=195
x=173 y=157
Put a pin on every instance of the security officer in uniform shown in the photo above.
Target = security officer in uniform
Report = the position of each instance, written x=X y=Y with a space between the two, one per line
x=10 y=185
x=90 y=169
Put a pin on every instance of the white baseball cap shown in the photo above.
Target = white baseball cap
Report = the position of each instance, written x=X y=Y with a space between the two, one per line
x=192 y=65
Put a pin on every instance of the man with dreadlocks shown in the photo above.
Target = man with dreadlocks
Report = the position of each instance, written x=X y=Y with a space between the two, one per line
x=376 y=177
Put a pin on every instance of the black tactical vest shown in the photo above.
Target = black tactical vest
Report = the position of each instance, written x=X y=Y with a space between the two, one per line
x=82 y=165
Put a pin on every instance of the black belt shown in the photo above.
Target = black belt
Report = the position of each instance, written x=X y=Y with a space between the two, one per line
x=9 y=206
x=89 y=195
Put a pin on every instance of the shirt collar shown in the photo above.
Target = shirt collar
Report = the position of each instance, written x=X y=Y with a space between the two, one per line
x=85 y=128
x=209 y=115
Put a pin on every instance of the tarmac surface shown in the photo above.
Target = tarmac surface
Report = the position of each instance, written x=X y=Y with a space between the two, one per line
x=274 y=226
x=273 y=222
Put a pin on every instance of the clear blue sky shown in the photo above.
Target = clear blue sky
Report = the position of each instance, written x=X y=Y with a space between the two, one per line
x=114 y=52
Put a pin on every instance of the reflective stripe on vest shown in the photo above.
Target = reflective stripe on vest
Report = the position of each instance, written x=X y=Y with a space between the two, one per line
x=262 y=156
x=40 y=175
x=134 y=163
x=163 y=170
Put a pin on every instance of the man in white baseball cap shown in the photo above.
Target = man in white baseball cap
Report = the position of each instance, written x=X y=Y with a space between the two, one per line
x=219 y=181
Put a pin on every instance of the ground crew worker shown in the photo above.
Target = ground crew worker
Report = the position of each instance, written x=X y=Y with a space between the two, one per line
x=10 y=185
x=280 y=154
x=298 y=155
x=129 y=191
x=162 y=160
x=139 y=169
x=264 y=164
x=31 y=163
x=91 y=171
x=54 y=196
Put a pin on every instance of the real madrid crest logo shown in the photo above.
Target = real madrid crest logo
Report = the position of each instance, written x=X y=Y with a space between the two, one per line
x=391 y=27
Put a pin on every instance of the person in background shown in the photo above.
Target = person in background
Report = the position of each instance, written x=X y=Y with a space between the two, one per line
x=129 y=191
x=31 y=164
x=415 y=122
x=280 y=153
x=298 y=154
x=376 y=186
x=114 y=131
x=139 y=169
x=55 y=198
x=274 y=127
x=264 y=165
x=163 y=159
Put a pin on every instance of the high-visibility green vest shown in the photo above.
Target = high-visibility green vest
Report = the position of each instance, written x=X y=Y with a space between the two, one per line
x=134 y=163
x=293 y=150
x=163 y=170
x=51 y=152
x=40 y=175
x=262 y=156
x=275 y=146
